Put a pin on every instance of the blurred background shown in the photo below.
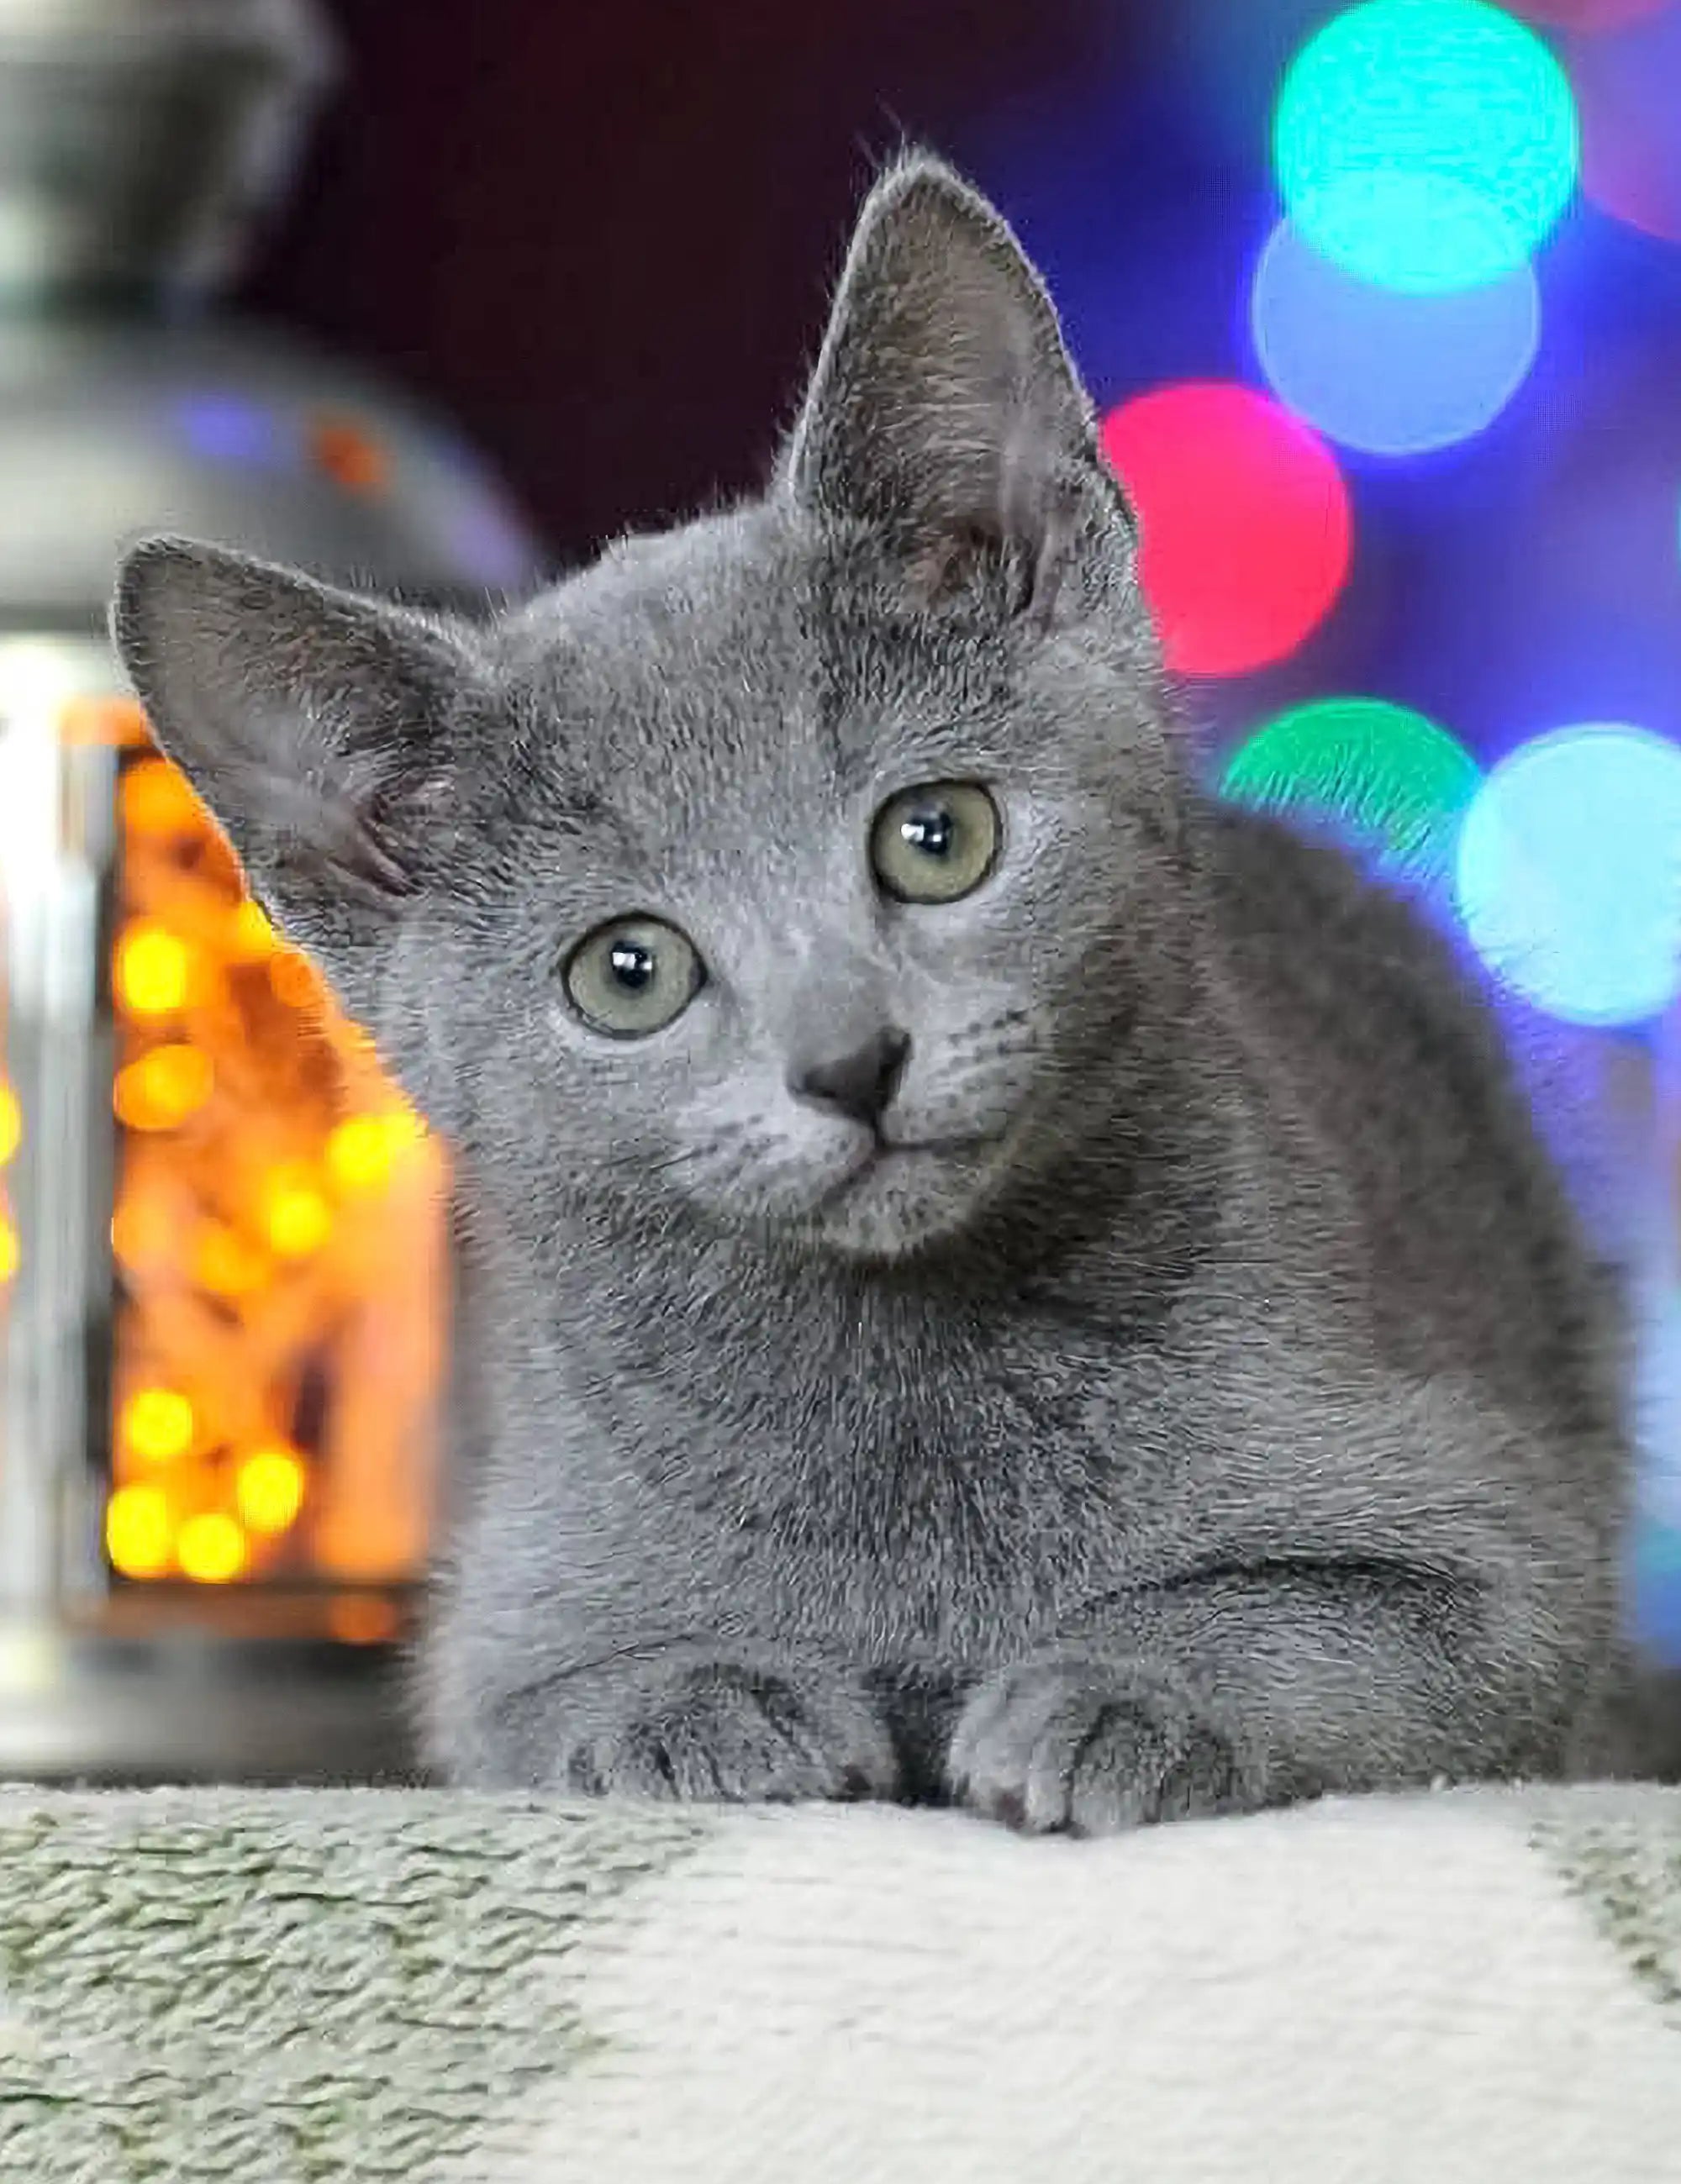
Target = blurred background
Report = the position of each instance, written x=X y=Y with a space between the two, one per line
x=1381 y=307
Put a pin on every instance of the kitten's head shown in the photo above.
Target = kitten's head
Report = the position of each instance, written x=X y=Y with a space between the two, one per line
x=799 y=866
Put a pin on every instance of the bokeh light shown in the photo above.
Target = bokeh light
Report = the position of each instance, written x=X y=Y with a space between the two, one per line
x=211 y=1549
x=223 y=426
x=1628 y=87
x=1392 y=785
x=1569 y=873
x=157 y=1425
x=268 y=1488
x=1247 y=532
x=164 y=1087
x=297 y=1219
x=350 y=454
x=11 y=1122
x=11 y=1250
x=1426 y=144
x=139 y=1535
x=1379 y=369
x=154 y=970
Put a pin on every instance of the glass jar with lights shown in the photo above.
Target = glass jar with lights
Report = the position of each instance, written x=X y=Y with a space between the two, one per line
x=221 y=1286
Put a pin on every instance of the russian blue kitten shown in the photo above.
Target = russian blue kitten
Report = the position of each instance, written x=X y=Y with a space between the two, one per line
x=981 y=1274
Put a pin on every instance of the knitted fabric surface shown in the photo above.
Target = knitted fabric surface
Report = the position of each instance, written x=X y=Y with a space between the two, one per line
x=281 y=1988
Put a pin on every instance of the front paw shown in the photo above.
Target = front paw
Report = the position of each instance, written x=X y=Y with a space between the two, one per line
x=716 y=1729
x=1071 y=1741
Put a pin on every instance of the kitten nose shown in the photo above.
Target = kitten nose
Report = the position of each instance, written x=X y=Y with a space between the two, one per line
x=860 y=1083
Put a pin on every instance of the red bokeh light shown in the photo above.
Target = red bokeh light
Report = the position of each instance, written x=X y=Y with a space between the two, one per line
x=1247 y=528
x=1585 y=14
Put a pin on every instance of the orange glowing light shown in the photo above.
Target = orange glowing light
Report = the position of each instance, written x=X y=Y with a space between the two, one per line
x=360 y=1154
x=269 y=1490
x=251 y=937
x=211 y=1549
x=11 y=1251
x=153 y=969
x=157 y=799
x=141 y=1229
x=139 y=1536
x=164 y=1087
x=274 y=1265
x=297 y=1219
x=225 y=1265
x=295 y=980
x=159 y=1426
x=351 y=457
x=11 y=1123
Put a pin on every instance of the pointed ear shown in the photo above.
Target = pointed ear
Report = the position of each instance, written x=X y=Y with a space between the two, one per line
x=313 y=724
x=944 y=409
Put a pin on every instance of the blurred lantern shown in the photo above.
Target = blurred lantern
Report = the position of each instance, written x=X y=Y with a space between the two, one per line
x=247 y=1405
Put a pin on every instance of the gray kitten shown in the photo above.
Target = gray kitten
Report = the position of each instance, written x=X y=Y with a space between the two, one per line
x=981 y=1274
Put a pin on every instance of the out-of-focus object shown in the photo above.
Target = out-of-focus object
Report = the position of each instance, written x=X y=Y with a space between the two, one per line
x=1630 y=90
x=214 y=1467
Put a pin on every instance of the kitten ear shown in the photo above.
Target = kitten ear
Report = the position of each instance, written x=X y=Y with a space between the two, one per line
x=944 y=409
x=311 y=722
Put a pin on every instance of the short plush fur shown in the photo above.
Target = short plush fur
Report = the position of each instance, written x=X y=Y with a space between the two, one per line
x=1170 y=1383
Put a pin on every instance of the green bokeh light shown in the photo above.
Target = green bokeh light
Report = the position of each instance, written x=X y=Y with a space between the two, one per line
x=1386 y=781
x=1426 y=144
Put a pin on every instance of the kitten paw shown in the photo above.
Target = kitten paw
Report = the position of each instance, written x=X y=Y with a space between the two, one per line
x=1073 y=1742
x=723 y=1732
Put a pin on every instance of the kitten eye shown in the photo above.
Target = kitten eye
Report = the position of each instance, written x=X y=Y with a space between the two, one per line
x=937 y=843
x=631 y=978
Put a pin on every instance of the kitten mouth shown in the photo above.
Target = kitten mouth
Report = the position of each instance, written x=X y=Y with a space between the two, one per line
x=883 y=1155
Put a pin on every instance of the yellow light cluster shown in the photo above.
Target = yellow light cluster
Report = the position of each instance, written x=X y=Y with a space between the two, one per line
x=277 y=1232
x=11 y=1136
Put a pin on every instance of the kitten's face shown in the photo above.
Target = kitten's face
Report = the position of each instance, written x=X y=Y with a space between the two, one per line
x=797 y=867
x=793 y=916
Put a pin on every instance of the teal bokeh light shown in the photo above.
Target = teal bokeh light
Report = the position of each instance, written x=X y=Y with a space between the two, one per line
x=1569 y=873
x=1426 y=144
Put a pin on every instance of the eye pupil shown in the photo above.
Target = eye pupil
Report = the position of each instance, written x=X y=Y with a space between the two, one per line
x=634 y=966
x=933 y=832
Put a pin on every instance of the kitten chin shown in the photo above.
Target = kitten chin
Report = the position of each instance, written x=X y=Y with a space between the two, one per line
x=907 y=1199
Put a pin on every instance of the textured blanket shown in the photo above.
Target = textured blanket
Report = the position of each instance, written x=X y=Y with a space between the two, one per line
x=298 y=1985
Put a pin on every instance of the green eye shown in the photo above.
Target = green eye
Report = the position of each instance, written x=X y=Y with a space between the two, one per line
x=937 y=843
x=633 y=977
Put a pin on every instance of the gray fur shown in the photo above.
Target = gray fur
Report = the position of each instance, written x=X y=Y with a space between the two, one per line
x=1228 y=1418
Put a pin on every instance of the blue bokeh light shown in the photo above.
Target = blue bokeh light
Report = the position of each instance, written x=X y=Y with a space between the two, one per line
x=226 y=427
x=1383 y=370
x=1568 y=875
x=1426 y=144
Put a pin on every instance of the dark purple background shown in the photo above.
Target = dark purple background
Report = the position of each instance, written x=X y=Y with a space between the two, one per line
x=599 y=232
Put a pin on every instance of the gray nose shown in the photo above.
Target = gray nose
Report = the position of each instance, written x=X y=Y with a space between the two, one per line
x=860 y=1083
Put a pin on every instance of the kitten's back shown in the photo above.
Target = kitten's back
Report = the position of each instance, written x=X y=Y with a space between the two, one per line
x=1376 y=1054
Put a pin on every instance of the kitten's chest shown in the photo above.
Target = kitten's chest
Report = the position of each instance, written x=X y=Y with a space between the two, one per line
x=933 y=1499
